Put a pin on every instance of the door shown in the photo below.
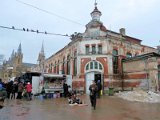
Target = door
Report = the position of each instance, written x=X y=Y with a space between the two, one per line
x=98 y=77
x=89 y=78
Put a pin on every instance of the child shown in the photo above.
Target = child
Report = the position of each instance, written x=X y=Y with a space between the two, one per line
x=74 y=99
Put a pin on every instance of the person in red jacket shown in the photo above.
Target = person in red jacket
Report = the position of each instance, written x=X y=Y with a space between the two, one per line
x=29 y=90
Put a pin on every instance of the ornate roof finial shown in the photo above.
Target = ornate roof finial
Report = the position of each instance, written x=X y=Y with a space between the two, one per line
x=95 y=3
x=96 y=13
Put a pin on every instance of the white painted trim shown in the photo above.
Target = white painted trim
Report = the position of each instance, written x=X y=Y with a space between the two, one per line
x=94 y=70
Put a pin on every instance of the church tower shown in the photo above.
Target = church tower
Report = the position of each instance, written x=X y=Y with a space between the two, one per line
x=41 y=59
x=19 y=55
x=12 y=58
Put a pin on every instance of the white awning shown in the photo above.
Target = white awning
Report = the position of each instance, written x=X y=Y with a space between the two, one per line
x=53 y=75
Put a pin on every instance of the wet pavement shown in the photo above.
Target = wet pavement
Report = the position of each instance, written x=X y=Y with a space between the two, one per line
x=108 y=108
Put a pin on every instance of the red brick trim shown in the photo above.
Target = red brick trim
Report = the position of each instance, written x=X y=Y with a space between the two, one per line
x=135 y=76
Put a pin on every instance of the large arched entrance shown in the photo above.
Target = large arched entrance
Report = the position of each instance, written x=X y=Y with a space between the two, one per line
x=93 y=71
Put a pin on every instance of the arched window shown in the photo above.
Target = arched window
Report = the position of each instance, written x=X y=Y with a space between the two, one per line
x=55 y=67
x=94 y=65
x=128 y=55
x=91 y=65
x=58 y=67
x=75 y=64
x=100 y=66
x=68 y=65
x=115 y=61
x=63 y=71
x=87 y=67
x=51 y=67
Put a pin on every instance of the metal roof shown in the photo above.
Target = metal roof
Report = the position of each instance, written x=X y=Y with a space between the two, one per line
x=143 y=56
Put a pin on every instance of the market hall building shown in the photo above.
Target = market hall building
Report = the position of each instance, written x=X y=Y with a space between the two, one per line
x=116 y=59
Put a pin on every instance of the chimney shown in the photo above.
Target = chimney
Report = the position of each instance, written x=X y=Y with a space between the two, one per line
x=122 y=31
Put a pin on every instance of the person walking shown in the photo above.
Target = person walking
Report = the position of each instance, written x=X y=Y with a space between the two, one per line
x=99 y=88
x=9 y=87
x=29 y=90
x=14 y=90
x=93 y=90
x=20 y=90
x=65 y=90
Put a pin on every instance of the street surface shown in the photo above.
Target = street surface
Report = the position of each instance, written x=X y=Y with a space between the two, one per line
x=108 y=108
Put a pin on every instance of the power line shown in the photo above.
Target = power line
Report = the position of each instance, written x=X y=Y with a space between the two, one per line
x=48 y=12
x=33 y=31
x=73 y=36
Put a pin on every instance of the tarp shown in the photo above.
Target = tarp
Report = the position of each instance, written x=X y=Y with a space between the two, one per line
x=35 y=85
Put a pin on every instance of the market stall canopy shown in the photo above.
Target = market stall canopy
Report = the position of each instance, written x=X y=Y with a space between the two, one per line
x=54 y=75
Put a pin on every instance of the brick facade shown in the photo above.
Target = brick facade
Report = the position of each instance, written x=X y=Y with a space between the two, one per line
x=87 y=48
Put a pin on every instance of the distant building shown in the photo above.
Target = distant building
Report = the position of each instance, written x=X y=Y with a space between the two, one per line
x=15 y=67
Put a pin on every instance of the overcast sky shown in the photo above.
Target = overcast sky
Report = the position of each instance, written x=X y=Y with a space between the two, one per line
x=141 y=18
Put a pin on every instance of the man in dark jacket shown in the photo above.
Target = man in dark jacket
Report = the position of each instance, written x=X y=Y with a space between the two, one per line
x=93 y=90
x=65 y=90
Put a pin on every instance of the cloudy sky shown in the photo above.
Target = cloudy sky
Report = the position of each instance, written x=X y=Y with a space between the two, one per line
x=141 y=18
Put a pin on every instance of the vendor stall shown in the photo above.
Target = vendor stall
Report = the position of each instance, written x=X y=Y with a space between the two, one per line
x=53 y=84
